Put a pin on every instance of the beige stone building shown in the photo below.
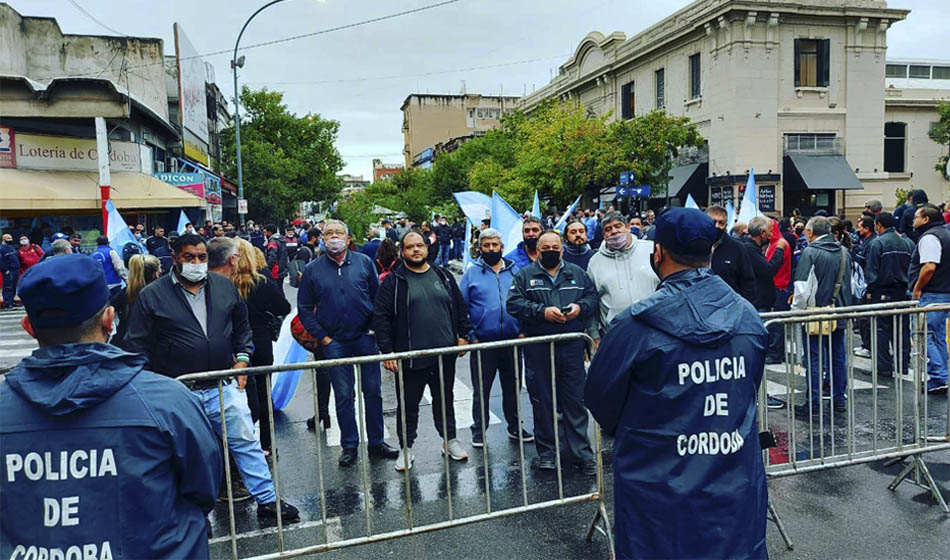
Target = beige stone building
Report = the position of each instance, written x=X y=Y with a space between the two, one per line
x=428 y=120
x=795 y=91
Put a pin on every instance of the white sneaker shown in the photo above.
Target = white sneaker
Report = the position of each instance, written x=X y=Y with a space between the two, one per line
x=455 y=450
x=401 y=463
x=862 y=352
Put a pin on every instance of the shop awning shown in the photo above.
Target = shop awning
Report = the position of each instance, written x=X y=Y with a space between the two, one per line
x=826 y=172
x=688 y=179
x=78 y=191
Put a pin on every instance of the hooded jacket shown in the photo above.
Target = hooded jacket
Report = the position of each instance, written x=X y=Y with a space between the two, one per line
x=519 y=256
x=783 y=276
x=484 y=292
x=578 y=254
x=277 y=257
x=686 y=484
x=817 y=273
x=391 y=310
x=622 y=278
x=131 y=451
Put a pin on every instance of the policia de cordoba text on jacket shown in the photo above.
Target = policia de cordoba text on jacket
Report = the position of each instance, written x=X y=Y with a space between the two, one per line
x=392 y=300
x=164 y=329
x=689 y=476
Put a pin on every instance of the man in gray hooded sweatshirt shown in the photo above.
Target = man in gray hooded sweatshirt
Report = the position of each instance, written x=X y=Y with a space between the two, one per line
x=621 y=271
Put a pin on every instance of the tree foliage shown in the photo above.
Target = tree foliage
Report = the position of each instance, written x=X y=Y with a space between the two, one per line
x=940 y=133
x=287 y=159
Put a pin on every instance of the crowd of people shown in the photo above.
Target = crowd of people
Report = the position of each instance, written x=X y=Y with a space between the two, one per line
x=660 y=295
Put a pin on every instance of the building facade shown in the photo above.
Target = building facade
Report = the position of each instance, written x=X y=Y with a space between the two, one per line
x=795 y=91
x=384 y=171
x=429 y=120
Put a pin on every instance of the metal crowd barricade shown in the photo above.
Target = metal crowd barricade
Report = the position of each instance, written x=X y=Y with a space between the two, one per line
x=867 y=430
x=600 y=522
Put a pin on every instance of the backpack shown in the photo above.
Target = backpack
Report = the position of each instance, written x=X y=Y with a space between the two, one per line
x=384 y=271
x=859 y=285
x=130 y=250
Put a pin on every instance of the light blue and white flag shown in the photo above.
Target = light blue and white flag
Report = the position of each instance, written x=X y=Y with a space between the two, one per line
x=559 y=226
x=690 y=202
x=506 y=221
x=536 y=206
x=119 y=233
x=730 y=215
x=748 y=208
x=182 y=220
x=475 y=205
x=286 y=351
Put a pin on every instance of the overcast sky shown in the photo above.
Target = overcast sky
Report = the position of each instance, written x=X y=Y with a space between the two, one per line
x=360 y=76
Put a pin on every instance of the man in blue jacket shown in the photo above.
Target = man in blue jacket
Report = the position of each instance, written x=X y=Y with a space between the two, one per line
x=484 y=286
x=335 y=305
x=9 y=269
x=101 y=458
x=675 y=379
x=551 y=297
x=527 y=251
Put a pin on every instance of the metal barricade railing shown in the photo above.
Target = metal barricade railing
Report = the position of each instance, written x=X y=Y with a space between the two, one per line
x=599 y=523
x=876 y=418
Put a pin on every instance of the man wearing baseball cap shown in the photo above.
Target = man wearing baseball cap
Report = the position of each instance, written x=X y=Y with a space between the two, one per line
x=100 y=456
x=676 y=378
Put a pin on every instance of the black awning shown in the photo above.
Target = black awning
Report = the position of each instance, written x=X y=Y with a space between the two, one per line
x=689 y=179
x=826 y=172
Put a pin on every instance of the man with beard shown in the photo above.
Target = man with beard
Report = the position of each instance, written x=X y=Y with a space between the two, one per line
x=192 y=321
x=527 y=251
x=576 y=249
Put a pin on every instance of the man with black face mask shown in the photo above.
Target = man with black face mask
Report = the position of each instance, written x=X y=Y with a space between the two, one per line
x=191 y=321
x=576 y=249
x=760 y=231
x=552 y=297
x=484 y=287
x=527 y=251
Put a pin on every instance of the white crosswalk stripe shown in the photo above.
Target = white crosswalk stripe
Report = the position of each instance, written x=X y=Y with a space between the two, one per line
x=15 y=343
x=776 y=388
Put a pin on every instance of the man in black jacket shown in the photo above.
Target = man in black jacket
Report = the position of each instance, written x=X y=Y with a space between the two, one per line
x=191 y=321
x=760 y=230
x=419 y=306
x=915 y=199
x=888 y=258
x=276 y=252
x=443 y=231
x=730 y=260
x=550 y=296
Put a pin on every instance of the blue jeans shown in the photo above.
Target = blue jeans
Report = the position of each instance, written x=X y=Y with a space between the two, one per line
x=245 y=449
x=444 y=255
x=343 y=379
x=839 y=372
x=936 y=338
x=9 y=287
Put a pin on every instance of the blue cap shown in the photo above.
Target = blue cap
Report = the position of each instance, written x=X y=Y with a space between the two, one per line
x=686 y=231
x=58 y=236
x=63 y=291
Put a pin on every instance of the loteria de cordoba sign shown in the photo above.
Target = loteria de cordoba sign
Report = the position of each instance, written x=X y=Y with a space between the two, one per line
x=34 y=151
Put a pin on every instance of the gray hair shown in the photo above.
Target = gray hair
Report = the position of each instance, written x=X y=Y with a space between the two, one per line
x=819 y=225
x=489 y=233
x=759 y=225
x=338 y=222
x=613 y=216
x=62 y=247
x=373 y=233
x=874 y=205
x=220 y=250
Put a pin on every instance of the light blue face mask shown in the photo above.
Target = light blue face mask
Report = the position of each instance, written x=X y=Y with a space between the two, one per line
x=194 y=272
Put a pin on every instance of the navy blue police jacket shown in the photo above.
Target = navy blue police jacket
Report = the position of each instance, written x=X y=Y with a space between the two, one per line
x=103 y=458
x=675 y=380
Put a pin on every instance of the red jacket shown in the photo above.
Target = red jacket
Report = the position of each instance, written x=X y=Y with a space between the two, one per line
x=784 y=274
x=29 y=256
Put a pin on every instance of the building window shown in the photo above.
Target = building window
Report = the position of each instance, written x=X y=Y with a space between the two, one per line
x=809 y=142
x=627 y=101
x=812 y=62
x=894 y=141
x=941 y=73
x=896 y=71
x=660 y=79
x=920 y=72
x=695 y=75
x=488 y=113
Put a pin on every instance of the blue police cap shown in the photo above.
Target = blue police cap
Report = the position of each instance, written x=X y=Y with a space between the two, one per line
x=58 y=236
x=686 y=231
x=63 y=291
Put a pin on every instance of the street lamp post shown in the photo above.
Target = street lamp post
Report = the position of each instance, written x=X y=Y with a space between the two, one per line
x=235 y=64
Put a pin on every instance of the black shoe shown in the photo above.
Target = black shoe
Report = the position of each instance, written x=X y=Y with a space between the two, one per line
x=288 y=513
x=543 y=464
x=325 y=421
x=588 y=467
x=775 y=404
x=841 y=407
x=238 y=492
x=477 y=439
x=312 y=423
x=383 y=450
x=804 y=410
x=526 y=436
x=348 y=456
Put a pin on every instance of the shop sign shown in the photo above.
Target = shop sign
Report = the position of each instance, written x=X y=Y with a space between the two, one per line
x=34 y=151
x=7 y=147
x=189 y=182
x=767 y=198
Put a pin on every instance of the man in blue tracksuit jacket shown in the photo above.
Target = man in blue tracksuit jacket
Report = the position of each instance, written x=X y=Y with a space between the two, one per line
x=675 y=380
x=485 y=286
x=527 y=251
x=101 y=458
x=335 y=305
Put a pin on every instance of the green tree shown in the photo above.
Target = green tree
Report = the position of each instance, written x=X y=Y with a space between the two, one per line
x=940 y=134
x=287 y=159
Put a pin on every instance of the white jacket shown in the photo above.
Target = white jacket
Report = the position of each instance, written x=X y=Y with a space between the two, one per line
x=622 y=278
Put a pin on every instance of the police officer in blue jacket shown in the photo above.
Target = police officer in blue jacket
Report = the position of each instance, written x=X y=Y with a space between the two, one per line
x=675 y=380
x=100 y=457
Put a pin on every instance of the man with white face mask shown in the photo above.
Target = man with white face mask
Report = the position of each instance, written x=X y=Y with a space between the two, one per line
x=190 y=321
x=620 y=270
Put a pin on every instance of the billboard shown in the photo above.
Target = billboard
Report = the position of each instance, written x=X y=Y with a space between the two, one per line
x=190 y=182
x=7 y=145
x=192 y=102
x=34 y=151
